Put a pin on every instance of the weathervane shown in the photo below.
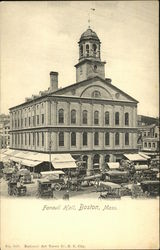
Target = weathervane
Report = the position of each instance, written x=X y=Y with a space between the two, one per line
x=89 y=16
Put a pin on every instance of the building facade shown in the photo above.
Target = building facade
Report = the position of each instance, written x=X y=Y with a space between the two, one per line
x=148 y=139
x=91 y=118
x=4 y=131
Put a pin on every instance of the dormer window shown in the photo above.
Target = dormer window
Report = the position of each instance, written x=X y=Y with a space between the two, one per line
x=96 y=94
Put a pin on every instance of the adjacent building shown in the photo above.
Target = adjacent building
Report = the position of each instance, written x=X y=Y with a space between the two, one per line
x=4 y=131
x=91 y=119
x=148 y=139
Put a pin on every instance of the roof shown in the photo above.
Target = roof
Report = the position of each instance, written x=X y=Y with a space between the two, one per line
x=61 y=91
x=89 y=34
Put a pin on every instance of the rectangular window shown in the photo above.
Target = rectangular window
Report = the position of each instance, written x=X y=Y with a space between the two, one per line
x=25 y=139
x=21 y=139
x=37 y=139
x=73 y=139
x=33 y=138
x=29 y=138
x=33 y=120
x=85 y=139
x=42 y=138
x=29 y=121
x=37 y=119
x=107 y=138
x=117 y=138
x=21 y=122
x=61 y=139
x=96 y=139
x=42 y=118
x=25 y=122
x=126 y=138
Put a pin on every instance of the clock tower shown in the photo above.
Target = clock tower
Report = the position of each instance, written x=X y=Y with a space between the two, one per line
x=90 y=63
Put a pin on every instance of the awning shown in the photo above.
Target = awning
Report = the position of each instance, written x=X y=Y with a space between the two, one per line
x=52 y=172
x=144 y=155
x=135 y=157
x=61 y=161
x=30 y=163
x=62 y=165
x=113 y=165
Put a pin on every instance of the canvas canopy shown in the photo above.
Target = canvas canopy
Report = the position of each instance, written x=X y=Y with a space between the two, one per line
x=135 y=157
x=61 y=161
x=113 y=165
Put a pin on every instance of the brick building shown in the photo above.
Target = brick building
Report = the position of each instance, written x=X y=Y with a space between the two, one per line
x=91 y=118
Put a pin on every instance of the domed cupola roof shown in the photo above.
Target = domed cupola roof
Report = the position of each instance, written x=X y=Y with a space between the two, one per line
x=89 y=34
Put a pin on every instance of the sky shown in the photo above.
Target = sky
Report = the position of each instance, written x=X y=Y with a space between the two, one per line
x=39 y=37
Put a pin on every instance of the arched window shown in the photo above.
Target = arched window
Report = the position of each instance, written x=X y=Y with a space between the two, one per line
x=61 y=138
x=81 y=50
x=85 y=139
x=117 y=138
x=73 y=116
x=96 y=117
x=107 y=138
x=117 y=118
x=149 y=145
x=96 y=138
x=84 y=118
x=87 y=50
x=153 y=144
x=106 y=118
x=73 y=139
x=61 y=116
x=145 y=144
x=126 y=138
x=94 y=48
x=126 y=119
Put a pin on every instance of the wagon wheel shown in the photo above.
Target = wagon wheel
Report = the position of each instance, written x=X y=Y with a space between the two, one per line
x=57 y=187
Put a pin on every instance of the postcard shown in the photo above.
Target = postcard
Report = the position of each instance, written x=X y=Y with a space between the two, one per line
x=79 y=140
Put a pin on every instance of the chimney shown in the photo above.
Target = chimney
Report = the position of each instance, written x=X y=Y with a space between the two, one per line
x=53 y=81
